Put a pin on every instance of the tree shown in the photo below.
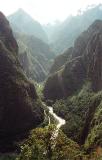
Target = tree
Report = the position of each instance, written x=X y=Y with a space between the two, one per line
x=43 y=145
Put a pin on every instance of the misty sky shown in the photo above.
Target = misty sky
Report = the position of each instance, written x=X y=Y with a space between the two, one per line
x=46 y=11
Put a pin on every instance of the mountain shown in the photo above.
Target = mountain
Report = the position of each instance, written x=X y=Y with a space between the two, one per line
x=75 y=90
x=51 y=28
x=35 y=56
x=71 y=28
x=83 y=65
x=24 y=23
x=60 y=60
x=19 y=109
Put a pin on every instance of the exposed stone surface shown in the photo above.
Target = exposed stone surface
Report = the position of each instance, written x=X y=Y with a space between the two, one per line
x=61 y=60
x=18 y=109
x=6 y=34
x=35 y=56
x=85 y=64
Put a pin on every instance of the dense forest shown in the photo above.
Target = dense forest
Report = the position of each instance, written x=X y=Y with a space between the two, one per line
x=51 y=87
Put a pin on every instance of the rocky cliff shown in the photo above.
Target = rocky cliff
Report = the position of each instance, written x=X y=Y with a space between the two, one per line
x=35 y=56
x=77 y=86
x=85 y=64
x=19 y=111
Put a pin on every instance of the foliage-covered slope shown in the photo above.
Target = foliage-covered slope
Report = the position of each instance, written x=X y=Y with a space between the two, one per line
x=40 y=146
x=77 y=86
x=83 y=65
x=18 y=109
x=82 y=113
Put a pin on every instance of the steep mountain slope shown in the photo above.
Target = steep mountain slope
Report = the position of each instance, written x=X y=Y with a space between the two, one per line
x=84 y=65
x=61 y=60
x=77 y=87
x=35 y=56
x=51 y=28
x=71 y=28
x=82 y=113
x=18 y=109
x=23 y=22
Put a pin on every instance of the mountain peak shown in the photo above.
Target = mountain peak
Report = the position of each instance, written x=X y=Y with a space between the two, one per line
x=2 y=15
x=21 y=11
x=97 y=22
x=6 y=34
x=97 y=25
x=26 y=24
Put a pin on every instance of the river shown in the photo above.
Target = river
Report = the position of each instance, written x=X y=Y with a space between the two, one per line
x=59 y=121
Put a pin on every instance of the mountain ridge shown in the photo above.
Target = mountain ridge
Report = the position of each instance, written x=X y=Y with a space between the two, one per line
x=72 y=27
x=22 y=21
x=83 y=64
x=18 y=109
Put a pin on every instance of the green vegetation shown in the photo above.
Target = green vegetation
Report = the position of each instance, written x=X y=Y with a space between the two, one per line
x=41 y=145
x=83 y=115
x=94 y=138
x=22 y=108
x=39 y=89
x=8 y=157
x=19 y=107
x=74 y=110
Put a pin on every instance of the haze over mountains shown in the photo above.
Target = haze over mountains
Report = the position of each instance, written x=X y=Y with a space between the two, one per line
x=63 y=37
x=49 y=40
x=26 y=24
x=35 y=54
x=75 y=88
x=71 y=84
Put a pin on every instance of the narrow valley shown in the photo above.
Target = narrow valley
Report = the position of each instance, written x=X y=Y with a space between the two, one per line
x=51 y=83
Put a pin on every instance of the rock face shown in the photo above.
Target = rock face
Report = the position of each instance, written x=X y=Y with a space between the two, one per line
x=31 y=66
x=85 y=64
x=35 y=56
x=33 y=45
x=6 y=35
x=61 y=60
x=18 y=109
x=95 y=61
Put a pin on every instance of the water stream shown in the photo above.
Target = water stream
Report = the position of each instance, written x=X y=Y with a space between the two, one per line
x=59 y=120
